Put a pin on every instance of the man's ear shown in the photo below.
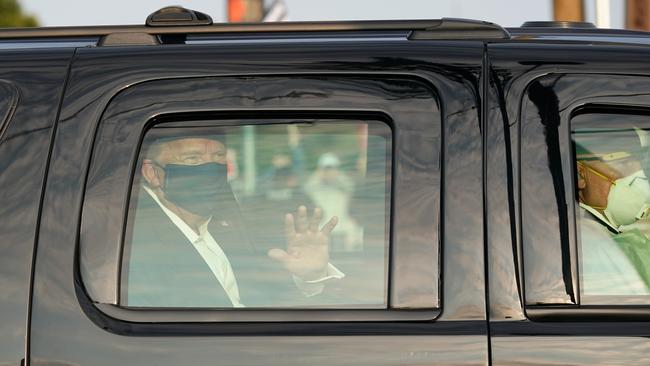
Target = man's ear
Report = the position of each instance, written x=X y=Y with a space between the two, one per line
x=150 y=174
x=582 y=172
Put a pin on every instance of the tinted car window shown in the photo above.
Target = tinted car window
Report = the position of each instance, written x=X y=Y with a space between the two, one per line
x=613 y=206
x=282 y=215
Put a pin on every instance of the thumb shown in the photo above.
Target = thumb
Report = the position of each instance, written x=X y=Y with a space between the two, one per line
x=278 y=255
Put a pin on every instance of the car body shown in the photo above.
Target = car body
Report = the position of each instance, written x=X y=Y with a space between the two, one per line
x=481 y=112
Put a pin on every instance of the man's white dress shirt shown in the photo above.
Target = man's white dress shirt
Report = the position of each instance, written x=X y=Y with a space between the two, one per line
x=605 y=268
x=219 y=264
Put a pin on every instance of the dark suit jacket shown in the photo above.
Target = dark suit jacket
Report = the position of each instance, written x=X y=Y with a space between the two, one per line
x=163 y=269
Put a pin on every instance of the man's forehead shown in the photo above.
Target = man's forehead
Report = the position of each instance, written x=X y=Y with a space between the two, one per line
x=183 y=144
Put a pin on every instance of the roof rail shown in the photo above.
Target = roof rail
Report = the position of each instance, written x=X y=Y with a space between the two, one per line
x=176 y=15
x=446 y=28
x=455 y=28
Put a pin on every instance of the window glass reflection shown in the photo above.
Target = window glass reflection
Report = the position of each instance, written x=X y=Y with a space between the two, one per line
x=282 y=215
x=613 y=191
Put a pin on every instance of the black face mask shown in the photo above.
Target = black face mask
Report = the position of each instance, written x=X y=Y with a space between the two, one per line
x=196 y=188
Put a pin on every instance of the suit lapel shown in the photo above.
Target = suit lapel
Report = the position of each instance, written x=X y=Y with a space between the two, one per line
x=165 y=269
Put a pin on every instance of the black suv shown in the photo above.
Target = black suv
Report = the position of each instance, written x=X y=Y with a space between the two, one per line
x=482 y=194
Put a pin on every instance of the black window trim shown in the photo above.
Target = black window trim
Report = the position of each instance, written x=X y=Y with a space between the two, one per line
x=563 y=138
x=271 y=315
x=605 y=310
x=602 y=301
x=118 y=318
x=242 y=314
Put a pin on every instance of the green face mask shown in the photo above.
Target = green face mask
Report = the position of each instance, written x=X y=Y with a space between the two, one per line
x=196 y=188
x=628 y=199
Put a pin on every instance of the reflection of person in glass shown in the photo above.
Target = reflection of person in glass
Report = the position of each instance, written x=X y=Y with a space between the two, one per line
x=279 y=190
x=188 y=246
x=331 y=188
x=614 y=200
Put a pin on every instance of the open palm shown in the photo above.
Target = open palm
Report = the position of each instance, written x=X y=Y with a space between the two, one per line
x=307 y=253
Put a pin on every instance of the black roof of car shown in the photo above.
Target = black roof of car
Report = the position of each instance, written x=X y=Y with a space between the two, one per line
x=591 y=34
x=176 y=25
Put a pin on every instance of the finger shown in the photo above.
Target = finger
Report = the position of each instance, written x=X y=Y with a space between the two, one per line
x=330 y=225
x=315 y=220
x=301 y=222
x=278 y=255
x=289 y=227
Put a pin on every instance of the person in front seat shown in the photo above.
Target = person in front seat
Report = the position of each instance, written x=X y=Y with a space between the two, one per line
x=614 y=201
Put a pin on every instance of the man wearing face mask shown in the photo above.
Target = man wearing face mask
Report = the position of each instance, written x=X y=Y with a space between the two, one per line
x=188 y=247
x=614 y=197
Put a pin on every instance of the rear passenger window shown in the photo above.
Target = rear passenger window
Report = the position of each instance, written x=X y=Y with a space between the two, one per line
x=612 y=166
x=279 y=215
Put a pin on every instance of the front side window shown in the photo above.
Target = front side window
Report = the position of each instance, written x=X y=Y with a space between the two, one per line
x=612 y=165
x=280 y=215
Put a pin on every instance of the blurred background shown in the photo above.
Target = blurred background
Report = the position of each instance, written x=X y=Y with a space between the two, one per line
x=630 y=14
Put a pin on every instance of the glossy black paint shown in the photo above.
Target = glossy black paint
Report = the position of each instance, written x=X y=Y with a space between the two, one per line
x=31 y=87
x=8 y=103
x=498 y=102
x=451 y=68
x=541 y=85
x=502 y=253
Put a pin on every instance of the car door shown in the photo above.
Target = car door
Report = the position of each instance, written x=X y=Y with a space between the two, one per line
x=565 y=284
x=31 y=87
x=404 y=113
